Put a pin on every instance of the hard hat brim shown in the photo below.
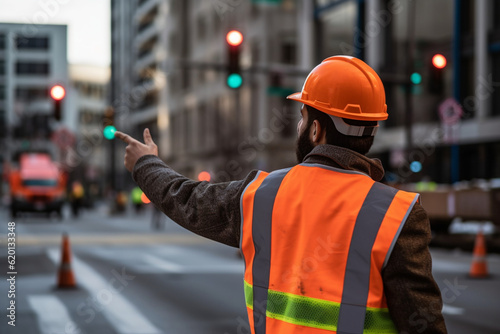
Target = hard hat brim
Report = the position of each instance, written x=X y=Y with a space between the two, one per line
x=336 y=112
x=295 y=96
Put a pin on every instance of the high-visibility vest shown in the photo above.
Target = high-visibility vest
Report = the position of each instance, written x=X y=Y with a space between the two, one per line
x=315 y=240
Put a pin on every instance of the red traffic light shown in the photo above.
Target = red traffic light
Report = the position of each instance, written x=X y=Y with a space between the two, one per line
x=234 y=38
x=439 y=61
x=57 y=92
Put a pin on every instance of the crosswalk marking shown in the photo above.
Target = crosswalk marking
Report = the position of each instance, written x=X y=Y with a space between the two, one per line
x=53 y=317
x=123 y=316
x=158 y=265
x=170 y=259
x=111 y=239
x=162 y=265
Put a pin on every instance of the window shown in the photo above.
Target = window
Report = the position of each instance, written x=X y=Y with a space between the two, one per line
x=288 y=53
x=2 y=67
x=148 y=20
x=2 y=93
x=216 y=19
x=186 y=115
x=2 y=41
x=338 y=29
x=202 y=125
x=495 y=103
x=148 y=46
x=3 y=122
x=150 y=100
x=31 y=93
x=496 y=13
x=176 y=133
x=32 y=43
x=467 y=16
x=202 y=28
x=32 y=68
x=467 y=87
x=39 y=182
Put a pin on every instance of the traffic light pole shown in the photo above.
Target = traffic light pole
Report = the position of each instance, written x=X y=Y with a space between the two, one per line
x=408 y=86
x=112 y=177
x=457 y=38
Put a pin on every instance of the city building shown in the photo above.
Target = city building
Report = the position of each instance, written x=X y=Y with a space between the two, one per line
x=88 y=99
x=122 y=80
x=172 y=62
x=399 y=39
x=177 y=60
x=32 y=60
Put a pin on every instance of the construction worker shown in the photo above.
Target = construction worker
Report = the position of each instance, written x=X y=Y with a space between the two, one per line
x=76 y=197
x=327 y=247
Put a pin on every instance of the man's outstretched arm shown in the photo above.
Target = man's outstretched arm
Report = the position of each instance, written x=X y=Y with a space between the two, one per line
x=209 y=210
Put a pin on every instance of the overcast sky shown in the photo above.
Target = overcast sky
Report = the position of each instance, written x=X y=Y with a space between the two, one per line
x=88 y=24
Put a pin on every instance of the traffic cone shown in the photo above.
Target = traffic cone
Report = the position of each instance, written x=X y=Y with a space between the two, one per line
x=478 y=268
x=66 y=277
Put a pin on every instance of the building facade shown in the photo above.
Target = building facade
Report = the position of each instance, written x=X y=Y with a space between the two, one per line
x=177 y=88
x=399 y=38
x=179 y=83
x=88 y=99
x=32 y=60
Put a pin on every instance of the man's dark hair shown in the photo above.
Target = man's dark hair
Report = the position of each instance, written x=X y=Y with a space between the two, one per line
x=334 y=137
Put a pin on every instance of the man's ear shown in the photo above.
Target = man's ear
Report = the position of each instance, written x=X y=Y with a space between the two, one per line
x=317 y=133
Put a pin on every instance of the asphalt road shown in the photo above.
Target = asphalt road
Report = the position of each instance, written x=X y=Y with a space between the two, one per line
x=134 y=279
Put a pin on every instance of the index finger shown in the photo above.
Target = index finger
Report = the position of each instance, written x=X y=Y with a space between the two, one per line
x=124 y=137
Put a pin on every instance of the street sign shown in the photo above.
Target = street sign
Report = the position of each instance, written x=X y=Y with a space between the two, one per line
x=63 y=138
x=450 y=111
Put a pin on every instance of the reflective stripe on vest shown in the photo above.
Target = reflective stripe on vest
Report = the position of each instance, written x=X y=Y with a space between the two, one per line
x=317 y=313
x=357 y=277
x=261 y=231
x=351 y=314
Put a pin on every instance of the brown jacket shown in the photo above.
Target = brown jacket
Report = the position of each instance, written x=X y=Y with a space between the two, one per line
x=213 y=211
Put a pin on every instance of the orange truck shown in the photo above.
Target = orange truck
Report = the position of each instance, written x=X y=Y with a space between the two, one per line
x=37 y=186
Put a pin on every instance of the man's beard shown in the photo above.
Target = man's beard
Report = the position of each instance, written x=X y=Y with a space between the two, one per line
x=303 y=146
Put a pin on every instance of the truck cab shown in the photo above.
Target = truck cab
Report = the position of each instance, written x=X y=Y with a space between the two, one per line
x=37 y=185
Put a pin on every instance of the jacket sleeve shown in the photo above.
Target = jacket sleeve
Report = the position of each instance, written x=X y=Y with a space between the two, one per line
x=413 y=297
x=209 y=210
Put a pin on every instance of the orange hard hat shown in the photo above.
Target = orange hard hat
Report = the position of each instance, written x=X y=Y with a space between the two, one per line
x=345 y=87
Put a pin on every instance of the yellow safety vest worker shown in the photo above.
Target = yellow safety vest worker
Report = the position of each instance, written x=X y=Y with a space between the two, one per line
x=315 y=240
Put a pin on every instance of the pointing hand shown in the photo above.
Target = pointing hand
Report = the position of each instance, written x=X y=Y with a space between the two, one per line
x=135 y=149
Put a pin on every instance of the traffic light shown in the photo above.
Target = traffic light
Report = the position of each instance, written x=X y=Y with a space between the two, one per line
x=416 y=78
x=439 y=61
x=109 y=124
x=234 y=39
x=436 y=77
x=57 y=94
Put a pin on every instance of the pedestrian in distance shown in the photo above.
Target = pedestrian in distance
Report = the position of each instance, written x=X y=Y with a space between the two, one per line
x=327 y=247
x=76 y=197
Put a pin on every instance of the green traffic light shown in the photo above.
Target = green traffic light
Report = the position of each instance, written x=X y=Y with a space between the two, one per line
x=234 y=80
x=109 y=132
x=416 y=78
